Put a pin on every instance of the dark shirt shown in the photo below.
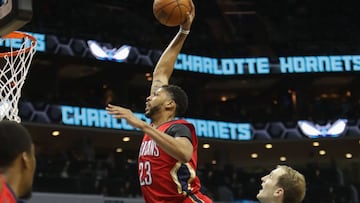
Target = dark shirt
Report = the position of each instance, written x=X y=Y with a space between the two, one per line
x=179 y=130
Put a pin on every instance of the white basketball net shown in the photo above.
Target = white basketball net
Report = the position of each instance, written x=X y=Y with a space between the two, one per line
x=13 y=74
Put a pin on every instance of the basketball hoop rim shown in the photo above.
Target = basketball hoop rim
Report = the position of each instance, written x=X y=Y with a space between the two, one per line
x=19 y=35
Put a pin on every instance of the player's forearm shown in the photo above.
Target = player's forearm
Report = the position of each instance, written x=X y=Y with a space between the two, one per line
x=166 y=63
x=175 y=148
x=165 y=66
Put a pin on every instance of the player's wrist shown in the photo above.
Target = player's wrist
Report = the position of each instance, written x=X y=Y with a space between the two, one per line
x=184 y=31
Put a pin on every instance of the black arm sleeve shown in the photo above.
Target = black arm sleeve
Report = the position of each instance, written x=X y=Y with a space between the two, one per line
x=179 y=130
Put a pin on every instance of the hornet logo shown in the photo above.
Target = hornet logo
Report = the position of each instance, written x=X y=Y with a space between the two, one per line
x=103 y=53
x=329 y=130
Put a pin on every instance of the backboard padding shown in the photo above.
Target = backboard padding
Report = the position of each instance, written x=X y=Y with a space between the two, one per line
x=14 y=14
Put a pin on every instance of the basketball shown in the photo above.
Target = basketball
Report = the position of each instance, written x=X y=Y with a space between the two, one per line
x=171 y=12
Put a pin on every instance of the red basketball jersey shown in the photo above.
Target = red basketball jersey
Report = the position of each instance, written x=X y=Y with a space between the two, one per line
x=6 y=194
x=163 y=178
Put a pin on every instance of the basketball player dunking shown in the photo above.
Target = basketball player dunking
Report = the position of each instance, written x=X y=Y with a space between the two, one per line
x=168 y=154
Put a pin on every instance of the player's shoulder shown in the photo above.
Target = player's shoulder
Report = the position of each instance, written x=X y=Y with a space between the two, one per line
x=184 y=123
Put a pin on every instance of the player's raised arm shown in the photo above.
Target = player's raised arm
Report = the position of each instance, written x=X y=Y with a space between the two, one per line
x=165 y=65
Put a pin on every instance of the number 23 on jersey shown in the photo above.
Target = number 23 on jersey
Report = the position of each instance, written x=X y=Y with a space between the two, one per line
x=145 y=173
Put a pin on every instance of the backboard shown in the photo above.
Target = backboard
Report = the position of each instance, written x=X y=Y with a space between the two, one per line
x=14 y=14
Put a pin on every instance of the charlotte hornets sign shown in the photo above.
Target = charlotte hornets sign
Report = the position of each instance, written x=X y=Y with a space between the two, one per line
x=99 y=118
x=90 y=117
x=264 y=65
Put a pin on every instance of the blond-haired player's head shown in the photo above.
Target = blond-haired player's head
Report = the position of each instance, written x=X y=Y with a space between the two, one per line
x=282 y=185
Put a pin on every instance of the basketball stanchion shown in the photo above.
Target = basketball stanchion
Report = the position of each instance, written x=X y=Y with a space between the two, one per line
x=15 y=63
